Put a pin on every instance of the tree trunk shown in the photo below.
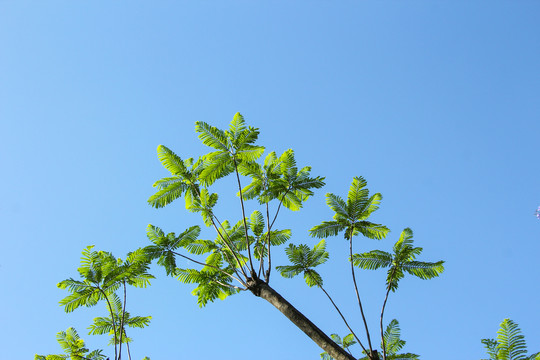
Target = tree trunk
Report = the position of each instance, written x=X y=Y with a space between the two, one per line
x=263 y=290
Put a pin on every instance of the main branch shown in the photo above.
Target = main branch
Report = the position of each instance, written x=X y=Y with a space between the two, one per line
x=263 y=290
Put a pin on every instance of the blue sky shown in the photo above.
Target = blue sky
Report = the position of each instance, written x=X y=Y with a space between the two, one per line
x=434 y=103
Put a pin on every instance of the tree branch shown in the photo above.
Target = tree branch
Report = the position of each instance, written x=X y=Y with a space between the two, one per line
x=113 y=321
x=344 y=320
x=358 y=297
x=382 y=313
x=253 y=274
x=212 y=266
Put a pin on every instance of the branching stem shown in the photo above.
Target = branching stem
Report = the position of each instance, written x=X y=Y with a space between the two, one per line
x=212 y=266
x=113 y=321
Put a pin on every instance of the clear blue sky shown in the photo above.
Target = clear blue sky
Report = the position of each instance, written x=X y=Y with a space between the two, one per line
x=435 y=103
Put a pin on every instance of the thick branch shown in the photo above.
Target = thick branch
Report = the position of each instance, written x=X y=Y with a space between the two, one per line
x=264 y=291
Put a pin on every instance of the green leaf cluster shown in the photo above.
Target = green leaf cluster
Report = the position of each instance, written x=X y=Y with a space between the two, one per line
x=392 y=338
x=233 y=146
x=74 y=348
x=345 y=343
x=509 y=345
x=214 y=279
x=183 y=182
x=102 y=274
x=280 y=178
x=304 y=260
x=351 y=216
x=117 y=321
x=401 y=261
x=231 y=255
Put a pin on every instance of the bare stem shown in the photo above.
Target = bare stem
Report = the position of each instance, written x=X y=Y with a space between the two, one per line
x=113 y=322
x=382 y=313
x=127 y=346
x=267 y=274
x=222 y=238
x=358 y=297
x=122 y=322
x=267 y=277
x=253 y=274
x=344 y=320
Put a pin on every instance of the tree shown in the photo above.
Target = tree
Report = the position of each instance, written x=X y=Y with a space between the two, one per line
x=102 y=276
x=240 y=258
x=509 y=345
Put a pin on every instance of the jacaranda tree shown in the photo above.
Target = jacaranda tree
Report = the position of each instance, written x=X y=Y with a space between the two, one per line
x=239 y=259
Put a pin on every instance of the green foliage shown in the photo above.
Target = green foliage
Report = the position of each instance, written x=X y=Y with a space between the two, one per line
x=232 y=254
x=183 y=182
x=102 y=275
x=117 y=321
x=212 y=284
x=392 y=338
x=304 y=260
x=165 y=245
x=350 y=216
x=74 y=348
x=233 y=146
x=234 y=150
x=345 y=343
x=394 y=343
x=401 y=261
x=279 y=178
x=509 y=345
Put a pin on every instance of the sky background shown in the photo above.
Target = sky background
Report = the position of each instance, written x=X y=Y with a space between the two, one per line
x=435 y=103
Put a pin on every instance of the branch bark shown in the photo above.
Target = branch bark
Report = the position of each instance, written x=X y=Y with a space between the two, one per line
x=263 y=290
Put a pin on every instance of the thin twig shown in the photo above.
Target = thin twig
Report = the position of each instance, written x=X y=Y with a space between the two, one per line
x=229 y=247
x=113 y=322
x=267 y=274
x=212 y=266
x=127 y=346
x=269 y=234
x=382 y=313
x=229 y=285
x=244 y=217
x=231 y=244
x=344 y=320
x=212 y=217
x=122 y=321
x=358 y=297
